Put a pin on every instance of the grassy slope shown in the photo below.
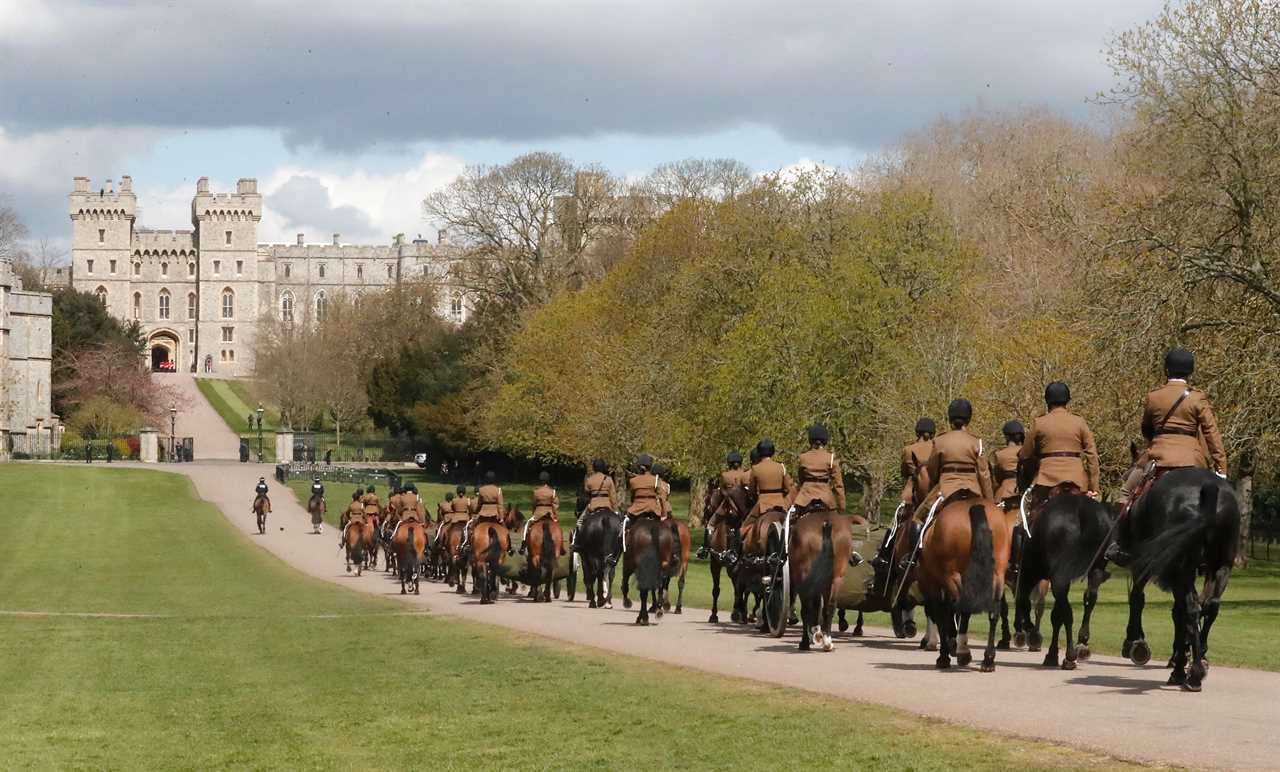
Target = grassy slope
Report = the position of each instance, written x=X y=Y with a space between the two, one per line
x=1241 y=636
x=234 y=402
x=254 y=665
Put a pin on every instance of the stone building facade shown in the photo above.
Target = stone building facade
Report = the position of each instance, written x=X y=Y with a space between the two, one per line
x=200 y=294
x=27 y=422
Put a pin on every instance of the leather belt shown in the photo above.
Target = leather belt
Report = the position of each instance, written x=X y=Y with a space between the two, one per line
x=1061 y=454
x=960 y=468
x=770 y=490
x=1176 y=430
x=1006 y=474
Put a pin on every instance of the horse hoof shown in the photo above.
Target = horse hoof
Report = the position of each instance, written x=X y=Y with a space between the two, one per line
x=415 y=591
x=1177 y=678
x=943 y=663
x=678 y=610
x=827 y=644
x=735 y=617
x=843 y=625
x=1020 y=640
x=1141 y=653
x=1050 y=660
x=1002 y=645
x=402 y=591
x=1035 y=641
x=609 y=604
x=909 y=627
x=988 y=665
x=348 y=569
x=857 y=631
x=713 y=619
x=1191 y=686
x=1068 y=664
x=1083 y=653
x=626 y=603
x=642 y=622
x=804 y=645
x=964 y=658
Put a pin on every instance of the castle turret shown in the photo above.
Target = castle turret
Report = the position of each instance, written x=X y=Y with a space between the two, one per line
x=102 y=222
x=227 y=238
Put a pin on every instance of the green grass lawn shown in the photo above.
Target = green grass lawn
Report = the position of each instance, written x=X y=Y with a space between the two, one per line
x=246 y=663
x=1250 y=610
x=234 y=401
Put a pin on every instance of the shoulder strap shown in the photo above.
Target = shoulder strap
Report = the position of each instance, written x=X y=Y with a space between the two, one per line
x=1185 y=393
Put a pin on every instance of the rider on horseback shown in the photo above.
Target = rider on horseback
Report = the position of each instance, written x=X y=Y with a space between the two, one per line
x=732 y=477
x=956 y=466
x=1004 y=464
x=546 y=505
x=1181 y=431
x=487 y=507
x=316 y=504
x=818 y=472
x=1058 y=453
x=647 y=499
x=372 y=504
x=354 y=514
x=915 y=456
x=261 y=490
x=769 y=484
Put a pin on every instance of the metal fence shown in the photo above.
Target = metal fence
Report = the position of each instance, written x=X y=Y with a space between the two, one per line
x=354 y=475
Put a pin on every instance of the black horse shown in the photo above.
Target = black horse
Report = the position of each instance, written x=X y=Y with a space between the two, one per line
x=1188 y=524
x=1066 y=543
x=594 y=541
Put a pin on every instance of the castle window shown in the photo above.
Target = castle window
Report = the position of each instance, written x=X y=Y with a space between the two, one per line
x=359 y=271
x=321 y=302
x=89 y=265
x=228 y=238
x=164 y=304
x=191 y=269
x=286 y=307
x=102 y=235
x=228 y=303
x=217 y=267
x=137 y=269
x=164 y=269
x=191 y=305
x=286 y=270
x=228 y=334
x=191 y=335
x=322 y=270
x=101 y=292
x=231 y=354
x=137 y=305
x=112 y=266
x=239 y=267
x=390 y=275
x=455 y=307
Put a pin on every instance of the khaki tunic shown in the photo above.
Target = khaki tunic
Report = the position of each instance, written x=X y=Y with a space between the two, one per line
x=411 y=509
x=460 y=512
x=443 y=509
x=546 y=503
x=394 y=503
x=914 y=456
x=602 y=492
x=1062 y=444
x=488 y=502
x=770 y=484
x=664 y=495
x=372 y=505
x=1004 y=471
x=645 y=495
x=957 y=464
x=818 y=473
x=732 y=478
x=355 y=512
x=1190 y=436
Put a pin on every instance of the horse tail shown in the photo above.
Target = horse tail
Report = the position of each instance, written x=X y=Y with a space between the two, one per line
x=548 y=556
x=1178 y=542
x=495 y=549
x=822 y=570
x=649 y=562
x=977 y=590
x=677 y=548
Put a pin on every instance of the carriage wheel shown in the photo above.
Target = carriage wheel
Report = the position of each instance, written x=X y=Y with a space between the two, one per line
x=777 y=602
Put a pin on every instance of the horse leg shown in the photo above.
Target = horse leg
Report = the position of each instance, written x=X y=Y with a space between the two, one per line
x=1179 y=659
x=989 y=654
x=1034 y=639
x=1210 y=602
x=1063 y=617
x=963 y=655
x=1096 y=577
x=842 y=622
x=626 y=590
x=1003 y=645
x=1135 y=640
x=937 y=611
x=680 y=592
x=715 y=591
x=643 y=617
x=608 y=585
x=828 y=611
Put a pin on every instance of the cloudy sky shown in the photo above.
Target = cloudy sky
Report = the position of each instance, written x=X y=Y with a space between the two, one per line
x=348 y=113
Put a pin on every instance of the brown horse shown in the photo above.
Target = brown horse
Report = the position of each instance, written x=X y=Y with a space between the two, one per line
x=353 y=543
x=723 y=544
x=370 y=536
x=455 y=563
x=543 y=547
x=684 y=542
x=754 y=564
x=963 y=561
x=409 y=541
x=820 y=544
x=490 y=543
x=261 y=506
x=316 y=506
x=387 y=530
x=651 y=554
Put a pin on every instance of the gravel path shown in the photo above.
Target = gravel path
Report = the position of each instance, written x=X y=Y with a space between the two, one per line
x=1107 y=705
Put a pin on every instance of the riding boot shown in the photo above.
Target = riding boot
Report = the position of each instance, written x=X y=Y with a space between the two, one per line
x=704 y=551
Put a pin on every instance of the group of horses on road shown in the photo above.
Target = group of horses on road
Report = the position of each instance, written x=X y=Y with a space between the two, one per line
x=959 y=564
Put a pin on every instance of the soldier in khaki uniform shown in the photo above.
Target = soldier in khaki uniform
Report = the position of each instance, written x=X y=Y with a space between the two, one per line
x=1181 y=431
x=546 y=506
x=1059 y=449
x=444 y=508
x=770 y=485
x=914 y=456
x=734 y=476
x=393 y=501
x=354 y=514
x=819 y=476
x=488 y=506
x=957 y=464
x=1004 y=462
x=601 y=491
x=646 y=496
x=372 y=504
x=411 y=507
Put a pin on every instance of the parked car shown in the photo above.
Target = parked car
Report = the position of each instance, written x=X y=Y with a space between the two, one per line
x=420 y=459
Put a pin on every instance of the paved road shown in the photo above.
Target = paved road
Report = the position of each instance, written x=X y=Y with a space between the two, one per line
x=1107 y=705
x=196 y=418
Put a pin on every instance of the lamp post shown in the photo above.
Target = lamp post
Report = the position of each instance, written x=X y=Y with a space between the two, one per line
x=173 y=429
x=259 y=411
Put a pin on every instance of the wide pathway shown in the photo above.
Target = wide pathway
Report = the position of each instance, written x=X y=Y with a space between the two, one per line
x=1107 y=705
x=197 y=418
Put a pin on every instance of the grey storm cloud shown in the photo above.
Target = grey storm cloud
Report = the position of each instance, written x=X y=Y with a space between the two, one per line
x=352 y=76
x=304 y=200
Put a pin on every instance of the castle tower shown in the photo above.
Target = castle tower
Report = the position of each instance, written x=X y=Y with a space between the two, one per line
x=231 y=290
x=101 y=234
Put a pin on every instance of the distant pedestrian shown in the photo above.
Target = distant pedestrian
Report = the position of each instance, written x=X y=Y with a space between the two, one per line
x=88 y=452
x=328 y=457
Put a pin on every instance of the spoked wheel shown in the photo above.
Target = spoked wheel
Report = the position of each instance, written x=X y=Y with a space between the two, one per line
x=777 y=601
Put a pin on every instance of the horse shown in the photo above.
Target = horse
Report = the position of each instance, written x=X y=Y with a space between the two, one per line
x=489 y=545
x=651 y=551
x=455 y=563
x=353 y=543
x=1067 y=539
x=754 y=538
x=724 y=546
x=1187 y=524
x=684 y=544
x=594 y=541
x=261 y=506
x=543 y=545
x=317 y=508
x=963 y=560
x=817 y=554
x=386 y=535
x=410 y=541
x=371 y=540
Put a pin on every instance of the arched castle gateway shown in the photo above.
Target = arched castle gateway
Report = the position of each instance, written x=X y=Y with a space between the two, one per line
x=199 y=294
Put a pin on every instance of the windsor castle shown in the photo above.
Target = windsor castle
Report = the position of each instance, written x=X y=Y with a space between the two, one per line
x=200 y=293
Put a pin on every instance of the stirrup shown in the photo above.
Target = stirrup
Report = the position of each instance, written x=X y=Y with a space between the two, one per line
x=1116 y=554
